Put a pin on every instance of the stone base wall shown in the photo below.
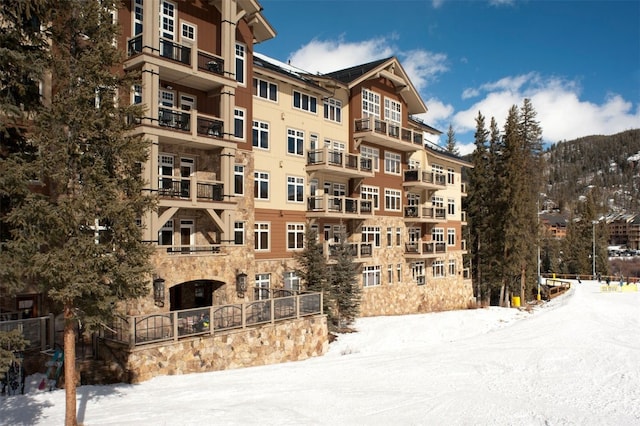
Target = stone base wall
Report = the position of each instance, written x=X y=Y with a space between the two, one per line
x=285 y=341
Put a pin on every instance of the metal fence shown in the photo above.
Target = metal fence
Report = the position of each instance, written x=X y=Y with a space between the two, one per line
x=38 y=332
x=171 y=326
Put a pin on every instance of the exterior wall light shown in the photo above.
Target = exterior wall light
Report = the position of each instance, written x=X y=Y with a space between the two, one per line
x=241 y=284
x=158 y=291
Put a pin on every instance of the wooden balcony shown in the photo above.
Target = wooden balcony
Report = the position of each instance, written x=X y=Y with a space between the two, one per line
x=339 y=163
x=421 y=214
x=422 y=179
x=179 y=62
x=179 y=192
x=425 y=250
x=186 y=128
x=331 y=206
x=389 y=135
x=361 y=252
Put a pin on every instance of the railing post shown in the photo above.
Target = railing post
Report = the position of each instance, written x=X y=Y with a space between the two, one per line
x=193 y=181
x=174 y=323
x=243 y=311
x=132 y=333
x=298 y=301
x=211 y=320
x=272 y=308
x=52 y=330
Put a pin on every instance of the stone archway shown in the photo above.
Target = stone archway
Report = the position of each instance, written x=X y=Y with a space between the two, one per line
x=195 y=294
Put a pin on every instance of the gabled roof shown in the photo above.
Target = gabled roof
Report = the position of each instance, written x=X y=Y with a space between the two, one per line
x=390 y=69
x=348 y=75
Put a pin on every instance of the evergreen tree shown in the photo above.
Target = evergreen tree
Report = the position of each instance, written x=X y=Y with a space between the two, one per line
x=78 y=238
x=477 y=203
x=451 y=142
x=313 y=271
x=24 y=52
x=344 y=284
x=10 y=343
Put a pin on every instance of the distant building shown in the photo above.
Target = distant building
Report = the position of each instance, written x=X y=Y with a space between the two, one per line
x=555 y=224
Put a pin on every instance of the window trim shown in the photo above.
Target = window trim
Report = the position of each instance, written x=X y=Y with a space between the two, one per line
x=260 y=228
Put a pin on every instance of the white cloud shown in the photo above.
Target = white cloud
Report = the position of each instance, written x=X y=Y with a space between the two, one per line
x=330 y=55
x=560 y=111
x=423 y=67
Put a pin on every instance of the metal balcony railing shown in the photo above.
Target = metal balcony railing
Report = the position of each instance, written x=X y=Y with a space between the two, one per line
x=339 y=204
x=171 y=326
x=171 y=187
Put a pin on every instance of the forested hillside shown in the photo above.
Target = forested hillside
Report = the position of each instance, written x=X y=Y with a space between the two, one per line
x=607 y=165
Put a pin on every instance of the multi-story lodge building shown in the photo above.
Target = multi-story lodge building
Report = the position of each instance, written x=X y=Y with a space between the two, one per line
x=248 y=153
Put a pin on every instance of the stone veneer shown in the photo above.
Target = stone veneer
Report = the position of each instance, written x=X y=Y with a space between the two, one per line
x=292 y=340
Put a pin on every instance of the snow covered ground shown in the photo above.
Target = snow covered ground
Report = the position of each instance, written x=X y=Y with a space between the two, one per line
x=573 y=361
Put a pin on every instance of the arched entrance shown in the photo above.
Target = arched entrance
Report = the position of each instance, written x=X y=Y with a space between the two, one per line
x=193 y=294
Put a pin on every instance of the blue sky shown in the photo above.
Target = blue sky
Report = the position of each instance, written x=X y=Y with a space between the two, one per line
x=578 y=61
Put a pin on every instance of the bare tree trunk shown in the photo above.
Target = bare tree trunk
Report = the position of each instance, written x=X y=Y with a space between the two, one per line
x=501 y=300
x=70 y=418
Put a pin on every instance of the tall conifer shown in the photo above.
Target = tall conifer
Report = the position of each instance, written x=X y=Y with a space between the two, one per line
x=78 y=237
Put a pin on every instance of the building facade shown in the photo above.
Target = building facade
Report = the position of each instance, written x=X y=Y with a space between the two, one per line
x=248 y=153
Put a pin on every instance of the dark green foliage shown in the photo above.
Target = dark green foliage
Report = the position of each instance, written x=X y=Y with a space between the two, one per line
x=344 y=285
x=451 y=142
x=338 y=282
x=577 y=166
x=10 y=343
x=504 y=187
x=87 y=172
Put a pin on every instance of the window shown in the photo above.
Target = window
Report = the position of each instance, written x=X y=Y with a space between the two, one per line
x=392 y=111
x=260 y=134
x=417 y=272
x=392 y=200
x=137 y=17
x=261 y=236
x=261 y=185
x=452 y=267
x=451 y=237
x=291 y=281
x=263 y=282
x=371 y=234
x=438 y=171
x=392 y=163
x=373 y=154
x=295 y=141
x=305 y=102
x=238 y=233
x=238 y=179
x=371 y=276
x=398 y=236
x=238 y=123
x=389 y=237
x=371 y=193
x=295 y=189
x=188 y=32
x=437 y=202
x=333 y=110
x=370 y=104
x=136 y=94
x=399 y=272
x=438 y=269
x=165 y=235
x=295 y=236
x=413 y=164
x=451 y=176
x=451 y=206
x=437 y=235
x=265 y=89
x=240 y=58
x=390 y=273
